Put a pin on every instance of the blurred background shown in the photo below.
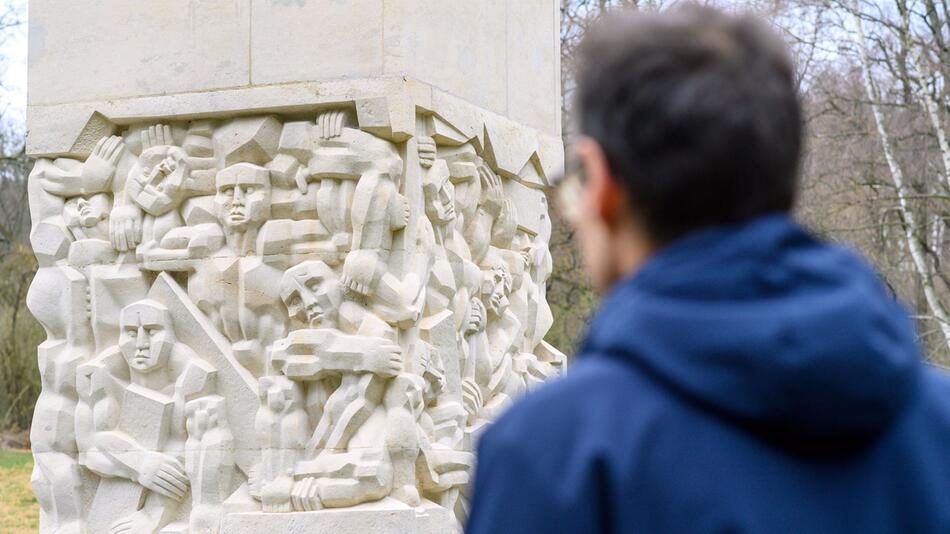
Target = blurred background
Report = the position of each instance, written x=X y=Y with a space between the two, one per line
x=876 y=173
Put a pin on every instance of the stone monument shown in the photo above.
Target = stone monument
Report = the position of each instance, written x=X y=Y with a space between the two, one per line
x=292 y=254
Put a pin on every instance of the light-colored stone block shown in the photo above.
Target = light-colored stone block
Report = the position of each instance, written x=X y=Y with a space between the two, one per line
x=385 y=517
x=437 y=41
x=495 y=55
x=533 y=73
x=83 y=50
x=293 y=298
x=305 y=40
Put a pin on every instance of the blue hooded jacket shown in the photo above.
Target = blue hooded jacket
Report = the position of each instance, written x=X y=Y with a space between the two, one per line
x=749 y=378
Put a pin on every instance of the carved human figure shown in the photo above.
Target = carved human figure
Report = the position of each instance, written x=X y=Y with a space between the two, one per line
x=131 y=425
x=242 y=204
x=57 y=298
x=231 y=284
x=419 y=462
x=162 y=177
x=313 y=295
x=282 y=423
x=87 y=219
x=68 y=178
x=344 y=355
x=525 y=363
x=493 y=223
x=156 y=184
x=497 y=381
x=452 y=284
x=443 y=472
x=72 y=233
x=156 y=180
x=54 y=183
x=68 y=204
x=209 y=462
x=359 y=197
x=540 y=265
x=395 y=333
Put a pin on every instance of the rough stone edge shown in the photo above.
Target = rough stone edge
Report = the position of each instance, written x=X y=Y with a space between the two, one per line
x=387 y=107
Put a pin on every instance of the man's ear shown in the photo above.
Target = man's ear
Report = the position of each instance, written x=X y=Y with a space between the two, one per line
x=604 y=192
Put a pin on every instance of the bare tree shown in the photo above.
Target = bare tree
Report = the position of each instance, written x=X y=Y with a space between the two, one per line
x=19 y=332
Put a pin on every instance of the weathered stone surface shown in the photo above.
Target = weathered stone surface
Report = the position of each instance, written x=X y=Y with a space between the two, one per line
x=285 y=297
x=497 y=55
x=85 y=50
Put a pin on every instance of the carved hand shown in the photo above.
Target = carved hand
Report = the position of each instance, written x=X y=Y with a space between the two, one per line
x=399 y=212
x=427 y=151
x=493 y=195
x=125 y=227
x=254 y=481
x=163 y=474
x=435 y=377
x=526 y=258
x=304 y=496
x=275 y=497
x=476 y=317
x=359 y=270
x=471 y=398
x=98 y=168
x=158 y=135
x=140 y=521
x=330 y=124
x=383 y=360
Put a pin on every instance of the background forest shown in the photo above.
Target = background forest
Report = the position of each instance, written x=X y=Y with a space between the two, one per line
x=876 y=174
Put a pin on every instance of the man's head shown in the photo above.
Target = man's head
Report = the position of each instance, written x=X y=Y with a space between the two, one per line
x=687 y=119
x=243 y=196
x=146 y=336
x=311 y=291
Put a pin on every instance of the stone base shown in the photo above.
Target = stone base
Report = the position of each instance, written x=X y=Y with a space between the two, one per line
x=387 y=516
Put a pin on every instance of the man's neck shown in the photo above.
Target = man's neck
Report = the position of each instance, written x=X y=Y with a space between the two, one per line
x=632 y=249
x=156 y=380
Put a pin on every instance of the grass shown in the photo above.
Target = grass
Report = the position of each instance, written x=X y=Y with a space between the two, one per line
x=19 y=513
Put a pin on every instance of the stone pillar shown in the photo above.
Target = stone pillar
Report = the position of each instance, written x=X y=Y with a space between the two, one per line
x=292 y=253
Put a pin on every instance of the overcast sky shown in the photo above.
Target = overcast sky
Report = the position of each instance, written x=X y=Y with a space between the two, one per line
x=13 y=71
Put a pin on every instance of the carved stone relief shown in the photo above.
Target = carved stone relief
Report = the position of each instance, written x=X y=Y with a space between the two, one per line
x=277 y=315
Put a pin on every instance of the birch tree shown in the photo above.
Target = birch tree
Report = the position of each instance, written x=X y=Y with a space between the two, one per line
x=912 y=229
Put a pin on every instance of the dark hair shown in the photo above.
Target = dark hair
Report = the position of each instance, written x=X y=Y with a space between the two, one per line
x=698 y=115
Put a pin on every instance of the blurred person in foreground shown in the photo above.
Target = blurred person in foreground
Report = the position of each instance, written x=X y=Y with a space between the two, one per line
x=741 y=375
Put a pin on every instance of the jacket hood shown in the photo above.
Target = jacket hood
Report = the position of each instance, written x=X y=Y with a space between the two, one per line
x=761 y=323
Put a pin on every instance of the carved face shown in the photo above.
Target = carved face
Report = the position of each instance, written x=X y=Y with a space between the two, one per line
x=440 y=200
x=468 y=189
x=146 y=336
x=243 y=196
x=88 y=218
x=156 y=179
x=312 y=293
x=495 y=288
